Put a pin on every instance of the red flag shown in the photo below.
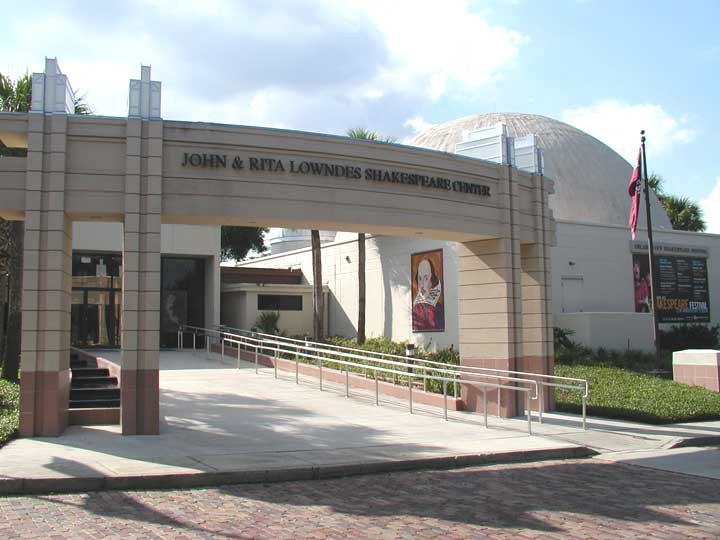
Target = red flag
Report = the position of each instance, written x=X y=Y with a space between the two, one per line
x=634 y=192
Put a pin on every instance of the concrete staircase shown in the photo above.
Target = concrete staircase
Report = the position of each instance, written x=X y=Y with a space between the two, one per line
x=92 y=387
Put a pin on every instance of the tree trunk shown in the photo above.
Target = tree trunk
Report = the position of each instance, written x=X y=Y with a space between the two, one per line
x=361 y=289
x=11 y=350
x=318 y=307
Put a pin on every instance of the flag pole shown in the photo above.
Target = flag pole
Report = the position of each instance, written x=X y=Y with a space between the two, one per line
x=651 y=251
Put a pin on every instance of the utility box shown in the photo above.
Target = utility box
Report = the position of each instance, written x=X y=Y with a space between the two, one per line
x=697 y=367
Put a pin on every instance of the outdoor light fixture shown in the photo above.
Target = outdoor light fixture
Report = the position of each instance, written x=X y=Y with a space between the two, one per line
x=347 y=258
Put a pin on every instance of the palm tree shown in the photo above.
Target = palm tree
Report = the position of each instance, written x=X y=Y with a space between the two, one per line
x=318 y=304
x=369 y=135
x=16 y=96
x=684 y=214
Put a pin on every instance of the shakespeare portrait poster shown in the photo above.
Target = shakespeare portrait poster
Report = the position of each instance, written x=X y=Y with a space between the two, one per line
x=428 y=298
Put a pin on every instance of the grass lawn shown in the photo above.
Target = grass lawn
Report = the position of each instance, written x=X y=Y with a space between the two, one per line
x=9 y=407
x=621 y=393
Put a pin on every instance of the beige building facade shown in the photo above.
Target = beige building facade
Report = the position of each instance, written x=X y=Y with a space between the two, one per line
x=143 y=172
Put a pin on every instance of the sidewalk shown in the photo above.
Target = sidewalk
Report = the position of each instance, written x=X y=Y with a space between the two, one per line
x=221 y=425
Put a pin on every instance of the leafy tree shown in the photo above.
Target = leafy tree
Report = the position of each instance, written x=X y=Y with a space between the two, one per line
x=15 y=95
x=236 y=242
x=684 y=214
x=369 y=135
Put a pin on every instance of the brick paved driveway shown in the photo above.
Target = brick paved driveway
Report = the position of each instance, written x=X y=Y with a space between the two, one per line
x=561 y=499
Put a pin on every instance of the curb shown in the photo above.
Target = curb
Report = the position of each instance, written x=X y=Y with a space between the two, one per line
x=26 y=486
x=708 y=440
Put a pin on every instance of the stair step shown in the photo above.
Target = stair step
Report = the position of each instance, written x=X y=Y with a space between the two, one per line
x=84 y=363
x=100 y=382
x=82 y=394
x=90 y=372
x=95 y=404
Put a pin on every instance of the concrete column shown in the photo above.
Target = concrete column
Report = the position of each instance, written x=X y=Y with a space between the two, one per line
x=47 y=282
x=537 y=315
x=538 y=353
x=140 y=410
x=490 y=317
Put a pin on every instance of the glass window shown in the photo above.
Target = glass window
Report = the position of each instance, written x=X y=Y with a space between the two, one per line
x=182 y=301
x=280 y=302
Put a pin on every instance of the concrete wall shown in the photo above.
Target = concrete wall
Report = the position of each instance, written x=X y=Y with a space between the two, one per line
x=181 y=240
x=601 y=273
x=388 y=293
x=610 y=330
x=174 y=239
x=600 y=276
x=240 y=301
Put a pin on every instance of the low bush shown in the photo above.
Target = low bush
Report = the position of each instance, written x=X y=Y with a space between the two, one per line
x=690 y=336
x=9 y=410
x=622 y=393
x=570 y=353
x=267 y=322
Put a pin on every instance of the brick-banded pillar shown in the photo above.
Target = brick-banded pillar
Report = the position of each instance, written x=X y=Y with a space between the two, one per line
x=140 y=412
x=538 y=353
x=489 y=302
x=47 y=281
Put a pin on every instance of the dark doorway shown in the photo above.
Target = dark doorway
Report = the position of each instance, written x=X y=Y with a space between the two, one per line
x=182 y=299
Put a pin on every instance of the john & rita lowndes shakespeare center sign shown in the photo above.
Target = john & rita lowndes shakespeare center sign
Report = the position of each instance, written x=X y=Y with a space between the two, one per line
x=335 y=170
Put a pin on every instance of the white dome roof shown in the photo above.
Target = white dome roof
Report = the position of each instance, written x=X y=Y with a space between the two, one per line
x=590 y=178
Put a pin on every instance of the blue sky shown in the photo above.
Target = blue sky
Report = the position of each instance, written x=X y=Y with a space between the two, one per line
x=607 y=67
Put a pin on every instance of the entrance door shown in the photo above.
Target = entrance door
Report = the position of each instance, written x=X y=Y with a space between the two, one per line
x=96 y=300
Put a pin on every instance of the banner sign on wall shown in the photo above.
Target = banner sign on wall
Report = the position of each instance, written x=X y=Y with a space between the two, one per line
x=428 y=299
x=682 y=295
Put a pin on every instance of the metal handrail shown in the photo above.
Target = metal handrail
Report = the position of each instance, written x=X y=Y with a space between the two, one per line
x=553 y=381
x=308 y=351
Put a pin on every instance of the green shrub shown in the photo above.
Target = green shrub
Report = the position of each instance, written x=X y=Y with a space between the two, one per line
x=569 y=353
x=9 y=410
x=690 y=336
x=621 y=393
x=561 y=338
x=267 y=322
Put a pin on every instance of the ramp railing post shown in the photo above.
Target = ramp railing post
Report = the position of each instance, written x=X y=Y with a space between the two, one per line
x=377 y=393
x=529 y=416
x=485 y=406
x=410 y=403
x=445 y=398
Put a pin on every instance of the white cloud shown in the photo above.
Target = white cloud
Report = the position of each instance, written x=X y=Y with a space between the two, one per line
x=711 y=209
x=618 y=125
x=417 y=124
x=307 y=64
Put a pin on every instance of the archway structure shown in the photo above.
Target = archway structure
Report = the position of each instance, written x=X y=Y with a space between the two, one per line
x=144 y=171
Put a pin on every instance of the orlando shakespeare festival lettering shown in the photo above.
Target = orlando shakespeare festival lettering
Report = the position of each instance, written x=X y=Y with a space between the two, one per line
x=316 y=168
